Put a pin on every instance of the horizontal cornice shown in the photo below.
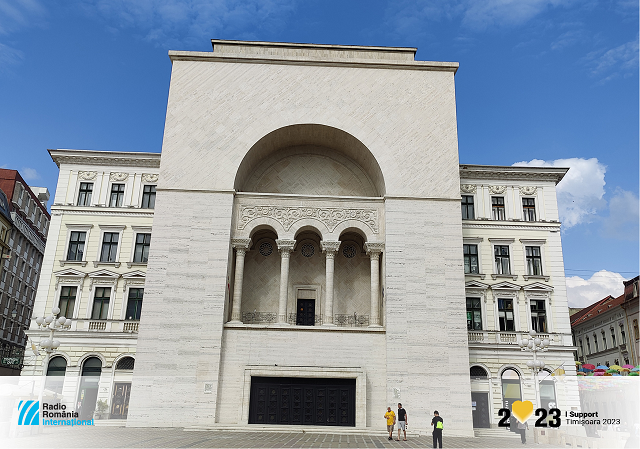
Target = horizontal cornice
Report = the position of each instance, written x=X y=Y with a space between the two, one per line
x=497 y=172
x=109 y=158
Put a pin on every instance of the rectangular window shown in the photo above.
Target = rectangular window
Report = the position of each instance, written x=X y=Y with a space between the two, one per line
x=149 y=197
x=613 y=337
x=588 y=347
x=505 y=315
x=84 y=195
x=502 y=259
x=67 y=301
x=134 y=304
x=470 y=258
x=538 y=316
x=101 y=303
x=623 y=337
x=534 y=260
x=595 y=342
x=109 y=247
x=467 y=207
x=604 y=341
x=117 y=195
x=474 y=314
x=76 y=245
x=529 y=209
x=497 y=208
x=141 y=253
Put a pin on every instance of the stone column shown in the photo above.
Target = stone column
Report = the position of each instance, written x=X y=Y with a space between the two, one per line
x=284 y=247
x=241 y=246
x=374 y=249
x=329 y=248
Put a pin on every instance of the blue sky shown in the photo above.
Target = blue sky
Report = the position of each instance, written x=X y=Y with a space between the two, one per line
x=541 y=82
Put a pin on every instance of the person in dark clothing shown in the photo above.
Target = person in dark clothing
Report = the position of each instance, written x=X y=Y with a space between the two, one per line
x=437 y=424
x=522 y=428
x=402 y=421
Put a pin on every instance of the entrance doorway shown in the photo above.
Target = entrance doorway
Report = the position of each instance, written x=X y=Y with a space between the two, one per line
x=120 y=400
x=511 y=393
x=480 y=410
x=302 y=401
x=306 y=315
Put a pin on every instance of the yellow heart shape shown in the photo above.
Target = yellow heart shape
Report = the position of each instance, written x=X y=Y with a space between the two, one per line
x=522 y=410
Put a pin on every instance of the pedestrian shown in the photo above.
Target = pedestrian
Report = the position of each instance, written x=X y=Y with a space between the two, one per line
x=437 y=424
x=391 y=421
x=522 y=428
x=402 y=422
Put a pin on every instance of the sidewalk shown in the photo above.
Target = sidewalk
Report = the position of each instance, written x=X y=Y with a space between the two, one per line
x=120 y=437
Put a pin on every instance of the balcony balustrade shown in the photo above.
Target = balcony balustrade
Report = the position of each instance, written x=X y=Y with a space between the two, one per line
x=500 y=337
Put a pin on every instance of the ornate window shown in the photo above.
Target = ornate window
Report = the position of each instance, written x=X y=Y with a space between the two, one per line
x=474 y=314
x=307 y=250
x=588 y=347
x=149 y=197
x=534 y=260
x=134 y=304
x=505 y=315
x=497 y=208
x=76 y=245
x=349 y=251
x=470 y=259
x=467 y=208
x=266 y=249
x=109 y=247
x=529 y=209
x=141 y=253
x=477 y=372
x=501 y=253
x=117 y=195
x=101 y=303
x=538 y=315
x=67 y=301
x=125 y=363
x=604 y=341
x=84 y=194
x=595 y=343
x=613 y=337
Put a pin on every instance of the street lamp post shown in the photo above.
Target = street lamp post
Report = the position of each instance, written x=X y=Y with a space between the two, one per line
x=50 y=344
x=534 y=345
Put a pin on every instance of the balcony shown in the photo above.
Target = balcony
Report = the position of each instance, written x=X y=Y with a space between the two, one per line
x=499 y=337
x=113 y=326
x=339 y=320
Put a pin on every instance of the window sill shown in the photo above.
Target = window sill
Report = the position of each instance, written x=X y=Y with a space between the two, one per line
x=475 y=275
x=504 y=276
x=136 y=264
x=526 y=277
x=82 y=263
x=108 y=264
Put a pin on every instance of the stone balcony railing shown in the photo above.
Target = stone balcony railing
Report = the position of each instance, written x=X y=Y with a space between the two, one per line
x=500 y=337
x=341 y=320
x=105 y=326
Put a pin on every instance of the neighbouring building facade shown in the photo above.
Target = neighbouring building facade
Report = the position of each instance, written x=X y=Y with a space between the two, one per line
x=23 y=244
x=606 y=333
x=309 y=263
x=95 y=265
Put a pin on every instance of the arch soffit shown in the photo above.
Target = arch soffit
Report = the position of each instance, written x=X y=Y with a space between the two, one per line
x=261 y=223
x=310 y=134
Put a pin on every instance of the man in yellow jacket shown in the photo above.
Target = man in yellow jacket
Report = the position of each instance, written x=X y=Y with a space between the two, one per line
x=391 y=421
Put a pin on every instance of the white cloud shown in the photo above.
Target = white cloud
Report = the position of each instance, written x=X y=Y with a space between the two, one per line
x=584 y=292
x=180 y=22
x=29 y=174
x=16 y=14
x=9 y=56
x=622 y=222
x=581 y=190
x=611 y=63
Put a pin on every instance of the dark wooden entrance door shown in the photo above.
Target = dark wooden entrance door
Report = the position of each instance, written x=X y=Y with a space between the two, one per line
x=300 y=401
x=120 y=400
x=480 y=410
x=306 y=312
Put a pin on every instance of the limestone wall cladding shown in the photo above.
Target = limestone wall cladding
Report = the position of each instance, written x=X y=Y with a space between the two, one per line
x=218 y=110
x=425 y=312
x=184 y=308
x=265 y=348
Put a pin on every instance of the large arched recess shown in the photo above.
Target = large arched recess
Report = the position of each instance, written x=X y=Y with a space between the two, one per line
x=312 y=135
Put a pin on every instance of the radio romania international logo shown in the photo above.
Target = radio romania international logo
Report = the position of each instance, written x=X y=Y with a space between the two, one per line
x=29 y=413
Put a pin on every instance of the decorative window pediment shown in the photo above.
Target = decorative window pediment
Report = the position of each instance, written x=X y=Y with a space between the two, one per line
x=69 y=276
x=505 y=286
x=136 y=278
x=103 y=277
x=537 y=287
x=476 y=284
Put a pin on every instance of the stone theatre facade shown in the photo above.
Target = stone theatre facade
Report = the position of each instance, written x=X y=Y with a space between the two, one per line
x=306 y=241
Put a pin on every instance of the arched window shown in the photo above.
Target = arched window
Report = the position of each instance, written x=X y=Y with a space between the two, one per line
x=92 y=367
x=477 y=372
x=88 y=393
x=125 y=363
x=55 y=374
x=510 y=387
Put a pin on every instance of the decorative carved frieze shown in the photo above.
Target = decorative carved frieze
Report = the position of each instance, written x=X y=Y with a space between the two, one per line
x=120 y=176
x=287 y=216
x=87 y=175
x=241 y=243
x=373 y=248
x=528 y=190
x=497 y=190
x=149 y=177
x=330 y=247
x=285 y=247
x=468 y=188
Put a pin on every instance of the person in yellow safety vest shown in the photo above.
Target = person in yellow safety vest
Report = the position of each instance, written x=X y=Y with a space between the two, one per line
x=437 y=424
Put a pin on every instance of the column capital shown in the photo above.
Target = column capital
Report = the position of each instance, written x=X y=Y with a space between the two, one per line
x=285 y=246
x=329 y=246
x=241 y=243
x=374 y=248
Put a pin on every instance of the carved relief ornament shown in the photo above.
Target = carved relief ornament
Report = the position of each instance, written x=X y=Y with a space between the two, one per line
x=118 y=176
x=468 y=188
x=287 y=216
x=528 y=190
x=87 y=175
x=497 y=189
x=149 y=177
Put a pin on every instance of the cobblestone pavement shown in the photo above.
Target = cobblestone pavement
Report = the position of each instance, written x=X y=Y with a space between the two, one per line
x=119 y=437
